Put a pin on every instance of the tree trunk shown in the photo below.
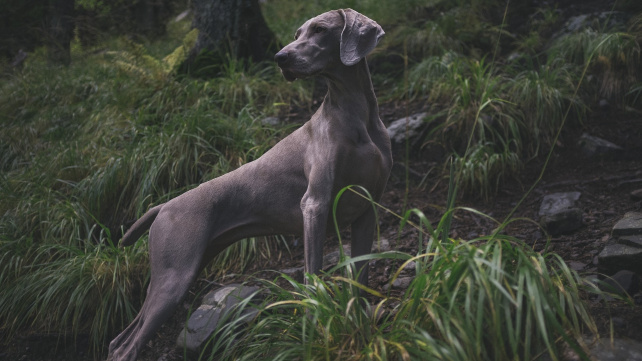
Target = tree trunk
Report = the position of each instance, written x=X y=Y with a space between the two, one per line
x=60 y=31
x=234 y=27
x=149 y=17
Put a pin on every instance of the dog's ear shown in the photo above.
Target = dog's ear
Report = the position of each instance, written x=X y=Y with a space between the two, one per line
x=360 y=35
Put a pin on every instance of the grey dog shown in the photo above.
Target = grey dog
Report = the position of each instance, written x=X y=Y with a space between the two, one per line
x=290 y=189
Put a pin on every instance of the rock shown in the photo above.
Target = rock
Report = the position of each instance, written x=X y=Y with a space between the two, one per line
x=636 y=195
x=216 y=304
x=631 y=241
x=604 y=104
x=397 y=129
x=565 y=221
x=273 y=121
x=615 y=257
x=630 y=224
x=400 y=283
x=182 y=15
x=380 y=245
x=332 y=258
x=19 y=59
x=597 y=147
x=553 y=203
x=576 y=266
x=622 y=283
x=607 y=20
x=410 y=267
x=617 y=350
x=295 y=273
x=558 y=213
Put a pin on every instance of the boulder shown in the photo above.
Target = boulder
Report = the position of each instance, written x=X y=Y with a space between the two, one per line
x=397 y=129
x=400 y=283
x=216 y=304
x=273 y=121
x=332 y=258
x=381 y=245
x=630 y=224
x=597 y=147
x=622 y=283
x=618 y=349
x=296 y=273
x=559 y=214
x=617 y=256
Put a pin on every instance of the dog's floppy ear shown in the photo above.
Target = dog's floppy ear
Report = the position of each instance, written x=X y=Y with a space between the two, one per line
x=360 y=35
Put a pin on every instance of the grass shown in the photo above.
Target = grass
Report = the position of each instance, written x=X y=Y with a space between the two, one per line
x=491 y=298
x=88 y=148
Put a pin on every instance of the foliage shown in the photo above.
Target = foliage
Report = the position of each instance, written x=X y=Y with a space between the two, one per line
x=88 y=148
x=491 y=298
x=69 y=289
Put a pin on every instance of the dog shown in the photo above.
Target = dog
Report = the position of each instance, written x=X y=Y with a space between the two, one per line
x=290 y=189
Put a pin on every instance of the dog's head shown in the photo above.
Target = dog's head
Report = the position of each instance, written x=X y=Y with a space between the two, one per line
x=336 y=38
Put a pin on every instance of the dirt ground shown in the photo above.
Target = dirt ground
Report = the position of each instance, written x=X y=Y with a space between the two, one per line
x=605 y=185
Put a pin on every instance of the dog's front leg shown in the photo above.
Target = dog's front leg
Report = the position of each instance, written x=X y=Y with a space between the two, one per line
x=362 y=236
x=315 y=206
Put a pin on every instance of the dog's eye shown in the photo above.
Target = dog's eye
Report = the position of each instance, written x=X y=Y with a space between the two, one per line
x=319 y=29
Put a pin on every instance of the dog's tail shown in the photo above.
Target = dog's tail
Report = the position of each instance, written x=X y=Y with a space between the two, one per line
x=140 y=226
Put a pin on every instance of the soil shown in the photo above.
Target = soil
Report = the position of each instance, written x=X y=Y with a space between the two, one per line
x=605 y=184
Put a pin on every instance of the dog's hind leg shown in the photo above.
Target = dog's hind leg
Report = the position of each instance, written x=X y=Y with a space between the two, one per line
x=175 y=260
x=162 y=299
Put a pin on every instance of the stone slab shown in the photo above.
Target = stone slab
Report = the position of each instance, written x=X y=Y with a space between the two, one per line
x=630 y=224
x=557 y=202
x=397 y=129
x=564 y=221
x=620 y=350
x=615 y=257
x=204 y=321
x=631 y=241
x=597 y=147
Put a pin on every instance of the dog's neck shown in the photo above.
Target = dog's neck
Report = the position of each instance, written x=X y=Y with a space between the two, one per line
x=350 y=90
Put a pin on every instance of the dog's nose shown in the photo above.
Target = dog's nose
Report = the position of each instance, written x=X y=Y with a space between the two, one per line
x=281 y=57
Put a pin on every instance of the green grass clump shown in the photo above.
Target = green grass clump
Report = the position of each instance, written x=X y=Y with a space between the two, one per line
x=67 y=290
x=88 y=148
x=491 y=298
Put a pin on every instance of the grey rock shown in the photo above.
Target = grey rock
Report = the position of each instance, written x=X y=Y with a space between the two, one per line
x=603 y=103
x=273 y=121
x=565 y=221
x=332 y=258
x=205 y=320
x=616 y=257
x=558 y=213
x=556 y=202
x=622 y=283
x=630 y=224
x=576 y=266
x=381 y=245
x=400 y=283
x=631 y=241
x=597 y=147
x=182 y=15
x=604 y=350
x=410 y=267
x=295 y=273
x=636 y=195
x=619 y=350
x=397 y=129
x=611 y=20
